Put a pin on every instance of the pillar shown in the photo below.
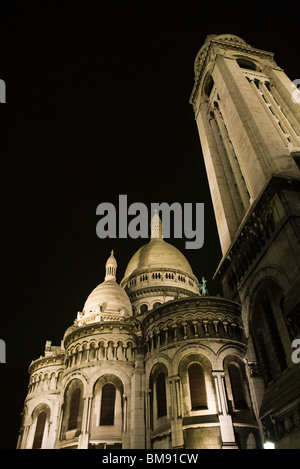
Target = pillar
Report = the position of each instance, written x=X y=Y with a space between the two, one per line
x=176 y=412
x=226 y=425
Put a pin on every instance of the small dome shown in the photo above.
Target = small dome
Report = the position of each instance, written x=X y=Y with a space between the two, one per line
x=111 y=267
x=108 y=297
x=108 y=301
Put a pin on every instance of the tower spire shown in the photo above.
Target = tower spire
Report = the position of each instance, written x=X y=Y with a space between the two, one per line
x=156 y=226
x=111 y=267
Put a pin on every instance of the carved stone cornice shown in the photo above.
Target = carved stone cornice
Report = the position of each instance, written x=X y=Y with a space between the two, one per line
x=106 y=327
x=223 y=41
x=278 y=427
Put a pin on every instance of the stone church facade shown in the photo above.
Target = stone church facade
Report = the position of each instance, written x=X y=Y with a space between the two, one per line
x=152 y=363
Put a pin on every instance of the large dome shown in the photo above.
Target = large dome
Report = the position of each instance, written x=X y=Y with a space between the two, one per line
x=157 y=254
x=158 y=272
x=110 y=297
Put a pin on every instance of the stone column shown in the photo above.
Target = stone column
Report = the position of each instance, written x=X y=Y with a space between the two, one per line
x=125 y=432
x=226 y=425
x=22 y=443
x=148 y=418
x=233 y=164
x=176 y=412
x=54 y=426
x=137 y=405
x=83 y=440
x=282 y=90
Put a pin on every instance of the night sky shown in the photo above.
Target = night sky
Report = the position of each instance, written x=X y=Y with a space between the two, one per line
x=97 y=106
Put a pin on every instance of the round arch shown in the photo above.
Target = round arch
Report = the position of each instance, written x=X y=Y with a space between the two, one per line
x=200 y=377
x=267 y=327
x=159 y=398
x=268 y=272
x=109 y=413
x=201 y=349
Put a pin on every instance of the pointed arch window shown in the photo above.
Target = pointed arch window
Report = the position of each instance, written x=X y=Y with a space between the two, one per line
x=197 y=387
x=161 y=397
x=108 y=404
x=39 y=431
x=74 y=409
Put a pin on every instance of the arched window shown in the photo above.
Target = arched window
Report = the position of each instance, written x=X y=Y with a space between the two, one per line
x=156 y=304
x=161 y=397
x=237 y=387
x=247 y=64
x=92 y=354
x=143 y=308
x=209 y=84
x=197 y=387
x=74 y=409
x=39 y=430
x=107 y=416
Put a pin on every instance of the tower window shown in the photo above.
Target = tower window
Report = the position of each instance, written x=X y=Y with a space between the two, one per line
x=161 y=395
x=74 y=409
x=262 y=88
x=39 y=431
x=247 y=64
x=237 y=387
x=197 y=387
x=209 y=84
x=108 y=404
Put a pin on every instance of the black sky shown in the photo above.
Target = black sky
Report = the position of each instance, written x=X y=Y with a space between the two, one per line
x=97 y=106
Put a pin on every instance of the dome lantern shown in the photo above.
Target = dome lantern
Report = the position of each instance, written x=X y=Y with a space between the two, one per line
x=156 y=226
x=111 y=267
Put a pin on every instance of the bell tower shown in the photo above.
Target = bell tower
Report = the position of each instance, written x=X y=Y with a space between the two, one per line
x=248 y=125
x=249 y=129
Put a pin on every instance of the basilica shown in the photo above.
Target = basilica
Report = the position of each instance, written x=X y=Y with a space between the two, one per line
x=155 y=362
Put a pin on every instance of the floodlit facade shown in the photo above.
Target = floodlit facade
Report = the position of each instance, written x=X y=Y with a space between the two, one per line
x=152 y=363
x=249 y=126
